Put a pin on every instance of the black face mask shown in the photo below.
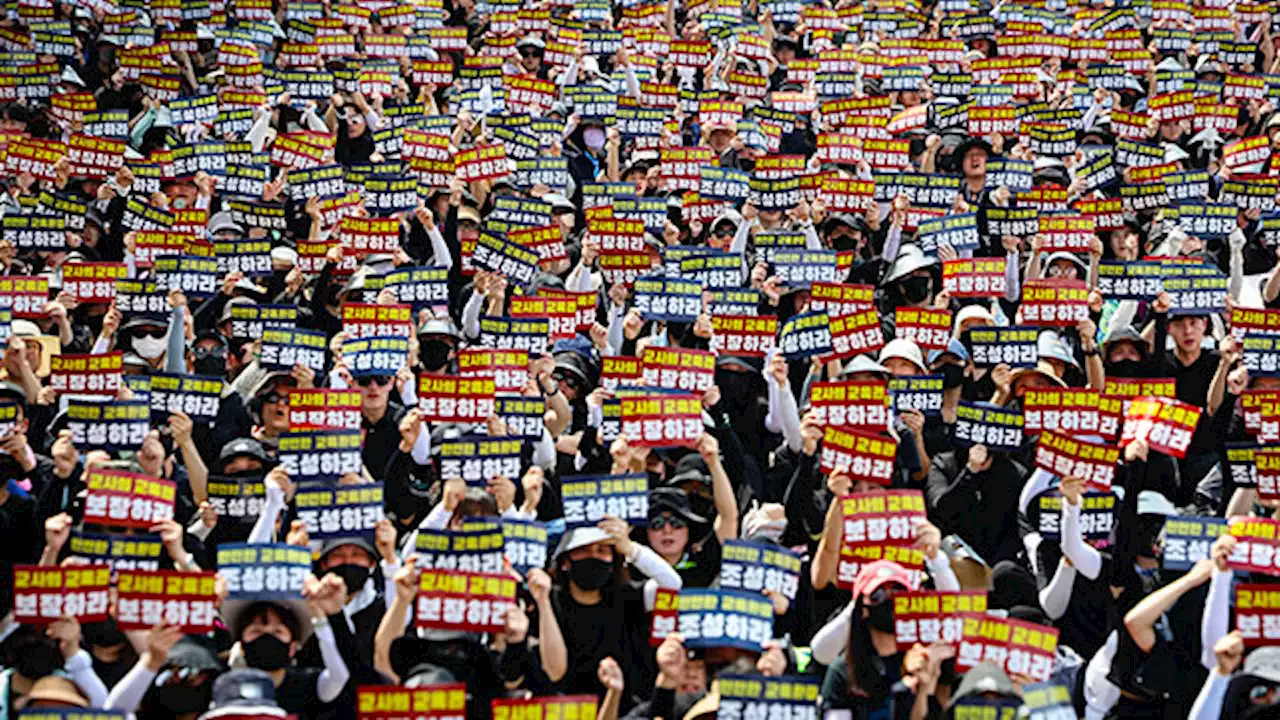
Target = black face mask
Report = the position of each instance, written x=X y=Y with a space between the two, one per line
x=353 y=575
x=880 y=617
x=434 y=354
x=952 y=376
x=39 y=660
x=915 y=289
x=591 y=573
x=735 y=388
x=102 y=634
x=268 y=653
x=745 y=164
x=213 y=366
x=1125 y=369
x=844 y=243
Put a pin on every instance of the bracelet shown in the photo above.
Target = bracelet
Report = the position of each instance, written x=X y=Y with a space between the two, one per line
x=1091 y=353
x=555 y=390
x=319 y=622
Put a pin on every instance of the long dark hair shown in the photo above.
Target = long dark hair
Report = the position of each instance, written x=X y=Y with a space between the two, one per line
x=866 y=669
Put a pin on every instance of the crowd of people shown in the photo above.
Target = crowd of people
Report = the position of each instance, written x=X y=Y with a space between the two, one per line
x=673 y=360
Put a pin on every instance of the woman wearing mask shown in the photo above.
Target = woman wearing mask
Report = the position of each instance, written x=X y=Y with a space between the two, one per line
x=602 y=614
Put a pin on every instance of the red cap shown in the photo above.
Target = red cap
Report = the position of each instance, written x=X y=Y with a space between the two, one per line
x=881 y=572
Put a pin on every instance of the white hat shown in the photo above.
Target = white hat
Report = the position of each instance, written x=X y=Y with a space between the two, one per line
x=904 y=349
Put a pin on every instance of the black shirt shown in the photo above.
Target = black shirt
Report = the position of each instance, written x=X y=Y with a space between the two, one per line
x=617 y=627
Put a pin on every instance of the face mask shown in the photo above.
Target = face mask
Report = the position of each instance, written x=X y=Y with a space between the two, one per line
x=1125 y=369
x=149 y=348
x=210 y=366
x=952 y=376
x=915 y=289
x=735 y=387
x=434 y=354
x=353 y=575
x=102 y=634
x=844 y=243
x=591 y=573
x=880 y=617
x=745 y=164
x=38 y=660
x=593 y=137
x=267 y=653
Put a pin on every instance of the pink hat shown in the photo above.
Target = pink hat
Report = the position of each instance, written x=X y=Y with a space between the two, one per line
x=881 y=572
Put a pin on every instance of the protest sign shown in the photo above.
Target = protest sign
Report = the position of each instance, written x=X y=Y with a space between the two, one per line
x=320 y=455
x=662 y=420
x=194 y=395
x=376 y=356
x=922 y=393
x=182 y=599
x=982 y=424
x=1071 y=457
x=588 y=499
x=930 y=616
x=447 y=399
x=263 y=571
x=757 y=567
x=1012 y=346
x=86 y=374
x=687 y=371
x=1097 y=514
x=1256 y=546
x=929 y=329
x=880 y=526
x=431 y=702
x=283 y=348
x=805 y=335
x=316 y=409
x=1188 y=539
x=344 y=511
x=464 y=601
x=1054 y=302
x=1257 y=611
x=714 y=618
x=476 y=548
x=524 y=544
x=1070 y=411
x=479 y=459
x=850 y=404
x=757 y=696
x=43 y=595
x=1018 y=647
x=977 y=278
x=128 y=500
x=858 y=455
x=1165 y=424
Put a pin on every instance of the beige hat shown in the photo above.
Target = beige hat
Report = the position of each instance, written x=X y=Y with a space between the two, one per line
x=52 y=688
x=904 y=349
x=1042 y=368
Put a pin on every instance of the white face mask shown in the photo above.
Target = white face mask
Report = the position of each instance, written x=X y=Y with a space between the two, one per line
x=593 y=137
x=149 y=348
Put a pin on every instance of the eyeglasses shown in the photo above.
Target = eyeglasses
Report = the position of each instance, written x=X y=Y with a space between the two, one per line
x=571 y=380
x=1263 y=694
x=662 y=521
x=379 y=380
x=150 y=332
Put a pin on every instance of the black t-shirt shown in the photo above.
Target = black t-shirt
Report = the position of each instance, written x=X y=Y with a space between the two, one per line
x=700 y=566
x=836 y=695
x=297 y=694
x=1091 y=612
x=617 y=627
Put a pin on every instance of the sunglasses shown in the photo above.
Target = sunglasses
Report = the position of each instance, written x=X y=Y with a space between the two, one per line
x=662 y=521
x=217 y=351
x=530 y=52
x=723 y=231
x=191 y=677
x=379 y=380
x=150 y=332
x=571 y=380
x=272 y=397
x=882 y=594
x=1263 y=694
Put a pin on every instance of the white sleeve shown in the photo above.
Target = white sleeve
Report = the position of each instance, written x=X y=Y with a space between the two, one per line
x=784 y=412
x=198 y=529
x=265 y=529
x=421 y=452
x=1013 y=291
x=389 y=570
x=437 y=519
x=1208 y=705
x=335 y=674
x=892 y=241
x=661 y=574
x=336 y=381
x=1087 y=560
x=471 y=315
x=615 y=337
x=830 y=640
x=100 y=345
x=409 y=393
x=811 y=239
x=944 y=578
x=439 y=250
x=257 y=135
x=1217 y=611
x=314 y=121
x=579 y=279
x=128 y=693
x=1056 y=596
x=80 y=669
x=544 y=451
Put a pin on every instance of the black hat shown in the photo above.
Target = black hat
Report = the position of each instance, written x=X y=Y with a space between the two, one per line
x=246 y=447
x=13 y=391
x=334 y=543
x=690 y=468
x=243 y=692
x=968 y=144
x=751 y=364
x=674 y=501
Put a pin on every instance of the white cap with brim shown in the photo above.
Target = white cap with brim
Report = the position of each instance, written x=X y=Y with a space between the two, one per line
x=284 y=255
x=579 y=538
x=1151 y=502
x=1063 y=255
x=905 y=350
x=233 y=611
x=864 y=363
x=1049 y=345
x=973 y=312
x=910 y=258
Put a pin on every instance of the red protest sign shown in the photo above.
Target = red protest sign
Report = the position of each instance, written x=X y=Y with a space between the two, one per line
x=165 y=597
x=369 y=236
x=1257 y=405
x=880 y=526
x=449 y=399
x=619 y=370
x=976 y=278
x=1258 y=545
x=560 y=313
x=743 y=335
x=1164 y=423
x=838 y=299
x=1072 y=411
x=508 y=368
x=1066 y=231
x=862 y=405
x=86 y=374
x=313 y=409
x=364 y=320
x=92 y=282
x=856 y=334
x=24 y=296
x=582 y=707
x=125 y=499
x=1267 y=463
x=929 y=616
x=482 y=162
x=690 y=371
x=464 y=601
x=662 y=420
x=859 y=455
x=585 y=301
x=1054 y=302
x=1017 y=647
x=430 y=702
x=151 y=244
x=1258 y=613
x=929 y=329
x=42 y=595
x=1064 y=456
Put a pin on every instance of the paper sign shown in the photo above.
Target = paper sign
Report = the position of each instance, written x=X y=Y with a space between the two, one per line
x=86 y=374
x=477 y=548
x=1012 y=346
x=448 y=399
x=1188 y=539
x=466 y=602
x=430 y=702
x=715 y=618
x=880 y=526
x=929 y=616
x=148 y=599
x=344 y=511
x=756 y=567
x=42 y=595
x=662 y=420
x=314 y=409
x=264 y=571
x=321 y=455
x=994 y=427
x=479 y=459
x=757 y=696
x=124 y=499
x=588 y=499
x=1164 y=423
x=1064 y=456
